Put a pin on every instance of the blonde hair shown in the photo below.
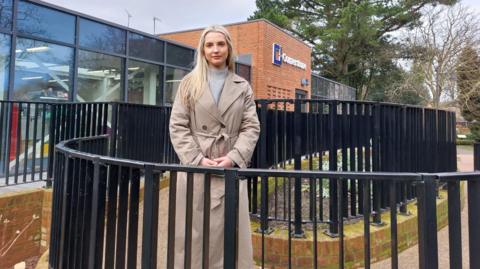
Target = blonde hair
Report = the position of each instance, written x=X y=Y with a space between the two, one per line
x=196 y=81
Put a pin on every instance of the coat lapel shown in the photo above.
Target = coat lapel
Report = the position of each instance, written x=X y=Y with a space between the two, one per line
x=231 y=91
x=207 y=102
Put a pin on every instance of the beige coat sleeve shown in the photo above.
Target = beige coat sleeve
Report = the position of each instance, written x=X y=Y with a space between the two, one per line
x=187 y=149
x=242 y=151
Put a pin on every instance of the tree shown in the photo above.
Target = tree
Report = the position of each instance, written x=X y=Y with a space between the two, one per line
x=436 y=46
x=351 y=40
x=468 y=83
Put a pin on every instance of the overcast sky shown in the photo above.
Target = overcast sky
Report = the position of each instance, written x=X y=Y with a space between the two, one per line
x=175 y=15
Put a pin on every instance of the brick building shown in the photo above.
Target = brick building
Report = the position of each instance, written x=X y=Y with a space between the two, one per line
x=280 y=63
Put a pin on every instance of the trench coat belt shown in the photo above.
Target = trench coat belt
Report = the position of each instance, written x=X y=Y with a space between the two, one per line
x=216 y=138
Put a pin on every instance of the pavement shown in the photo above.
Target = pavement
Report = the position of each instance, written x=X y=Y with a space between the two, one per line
x=408 y=259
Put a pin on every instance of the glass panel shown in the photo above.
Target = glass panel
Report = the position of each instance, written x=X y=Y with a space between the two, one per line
x=172 y=80
x=102 y=37
x=99 y=77
x=44 y=22
x=145 y=47
x=43 y=71
x=6 y=14
x=145 y=82
x=4 y=64
x=179 y=56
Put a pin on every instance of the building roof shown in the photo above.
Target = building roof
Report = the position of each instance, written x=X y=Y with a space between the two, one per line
x=239 y=23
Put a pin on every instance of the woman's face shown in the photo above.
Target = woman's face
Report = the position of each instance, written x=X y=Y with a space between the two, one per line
x=216 y=49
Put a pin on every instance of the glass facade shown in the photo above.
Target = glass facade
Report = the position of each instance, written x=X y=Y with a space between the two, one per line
x=102 y=37
x=44 y=22
x=145 y=47
x=6 y=14
x=99 y=77
x=64 y=56
x=145 y=83
x=43 y=71
x=179 y=56
x=173 y=76
x=4 y=64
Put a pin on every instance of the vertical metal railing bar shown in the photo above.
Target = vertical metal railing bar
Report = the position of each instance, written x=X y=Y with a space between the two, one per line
x=122 y=217
x=111 y=216
x=94 y=119
x=150 y=219
x=353 y=138
x=275 y=156
x=344 y=150
x=263 y=214
x=52 y=136
x=284 y=156
x=474 y=212
x=89 y=172
x=97 y=217
x=393 y=225
x=341 y=211
x=19 y=138
x=231 y=219
x=315 y=236
x=298 y=130
x=133 y=218
x=34 y=144
x=332 y=162
x=88 y=120
x=78 y=116
x=289 y=231
x=81 y=255
x=454 y=224
x=376 y=166
x=360 y=139
x=25 y=149
x=427 y=222
x=114 y=131
x=171 y=219
x=64 y=211
x=366 y=222
x=206 y=222
x=188 y=222
x=74 y=217
x=8 y=139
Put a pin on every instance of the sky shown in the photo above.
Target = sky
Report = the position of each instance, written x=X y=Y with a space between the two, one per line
x=174 y=15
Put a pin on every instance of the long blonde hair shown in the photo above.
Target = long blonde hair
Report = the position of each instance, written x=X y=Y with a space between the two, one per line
x=196 y=81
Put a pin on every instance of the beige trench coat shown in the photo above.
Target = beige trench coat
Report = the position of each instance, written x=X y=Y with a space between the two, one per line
x=209 y=130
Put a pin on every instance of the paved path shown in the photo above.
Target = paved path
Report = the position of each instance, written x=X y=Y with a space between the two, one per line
x=408 y=259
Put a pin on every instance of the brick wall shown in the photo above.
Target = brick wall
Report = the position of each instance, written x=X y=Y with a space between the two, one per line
x=256 y=38
x=20 y=227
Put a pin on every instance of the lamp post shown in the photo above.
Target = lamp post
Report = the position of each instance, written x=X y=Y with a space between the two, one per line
x=129 y=16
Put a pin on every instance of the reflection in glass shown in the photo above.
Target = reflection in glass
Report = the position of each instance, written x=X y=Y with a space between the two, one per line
x=6 y=14
x=45 y=22
x=99 y=77
x=102 y=37
x=4 y=64
x=145 y=82
x=179 y=56
x=43 y=71
x=173 y=76
x=145 y=47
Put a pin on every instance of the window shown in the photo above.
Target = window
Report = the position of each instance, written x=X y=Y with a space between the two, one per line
x=145 y=83
x=6 y=14
x=43 y=71
x=4 y=64
x=45 y=22
x=99 y=77
x=179 y=56
x=243 y=70
x=101 y=37
x=145 y=47
x=173 y=76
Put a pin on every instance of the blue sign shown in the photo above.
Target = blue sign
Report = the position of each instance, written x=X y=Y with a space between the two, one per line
x=277 y=54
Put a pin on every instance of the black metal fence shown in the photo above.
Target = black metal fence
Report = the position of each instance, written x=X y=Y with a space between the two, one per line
x=99 y=221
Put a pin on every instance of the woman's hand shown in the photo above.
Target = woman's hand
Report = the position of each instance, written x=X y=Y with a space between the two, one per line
x=207 y=162
x=224 y=162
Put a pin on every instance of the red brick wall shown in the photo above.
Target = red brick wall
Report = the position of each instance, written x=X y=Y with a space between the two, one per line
x=256 y=38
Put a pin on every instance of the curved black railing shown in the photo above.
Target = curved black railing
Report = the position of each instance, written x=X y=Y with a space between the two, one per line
x=98 y=219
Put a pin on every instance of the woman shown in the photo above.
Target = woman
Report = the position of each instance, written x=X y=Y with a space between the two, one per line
x=213 y=123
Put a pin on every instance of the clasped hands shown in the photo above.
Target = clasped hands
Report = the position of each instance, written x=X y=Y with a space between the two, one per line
x=218 y=162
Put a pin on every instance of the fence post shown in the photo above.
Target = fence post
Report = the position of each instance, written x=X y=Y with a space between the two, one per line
x=427 y=222
x=51 y=144
x=297 y=155
x=474 y=212
x=231 y=219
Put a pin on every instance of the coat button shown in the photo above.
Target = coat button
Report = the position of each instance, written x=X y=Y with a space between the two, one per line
x=204 y=127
